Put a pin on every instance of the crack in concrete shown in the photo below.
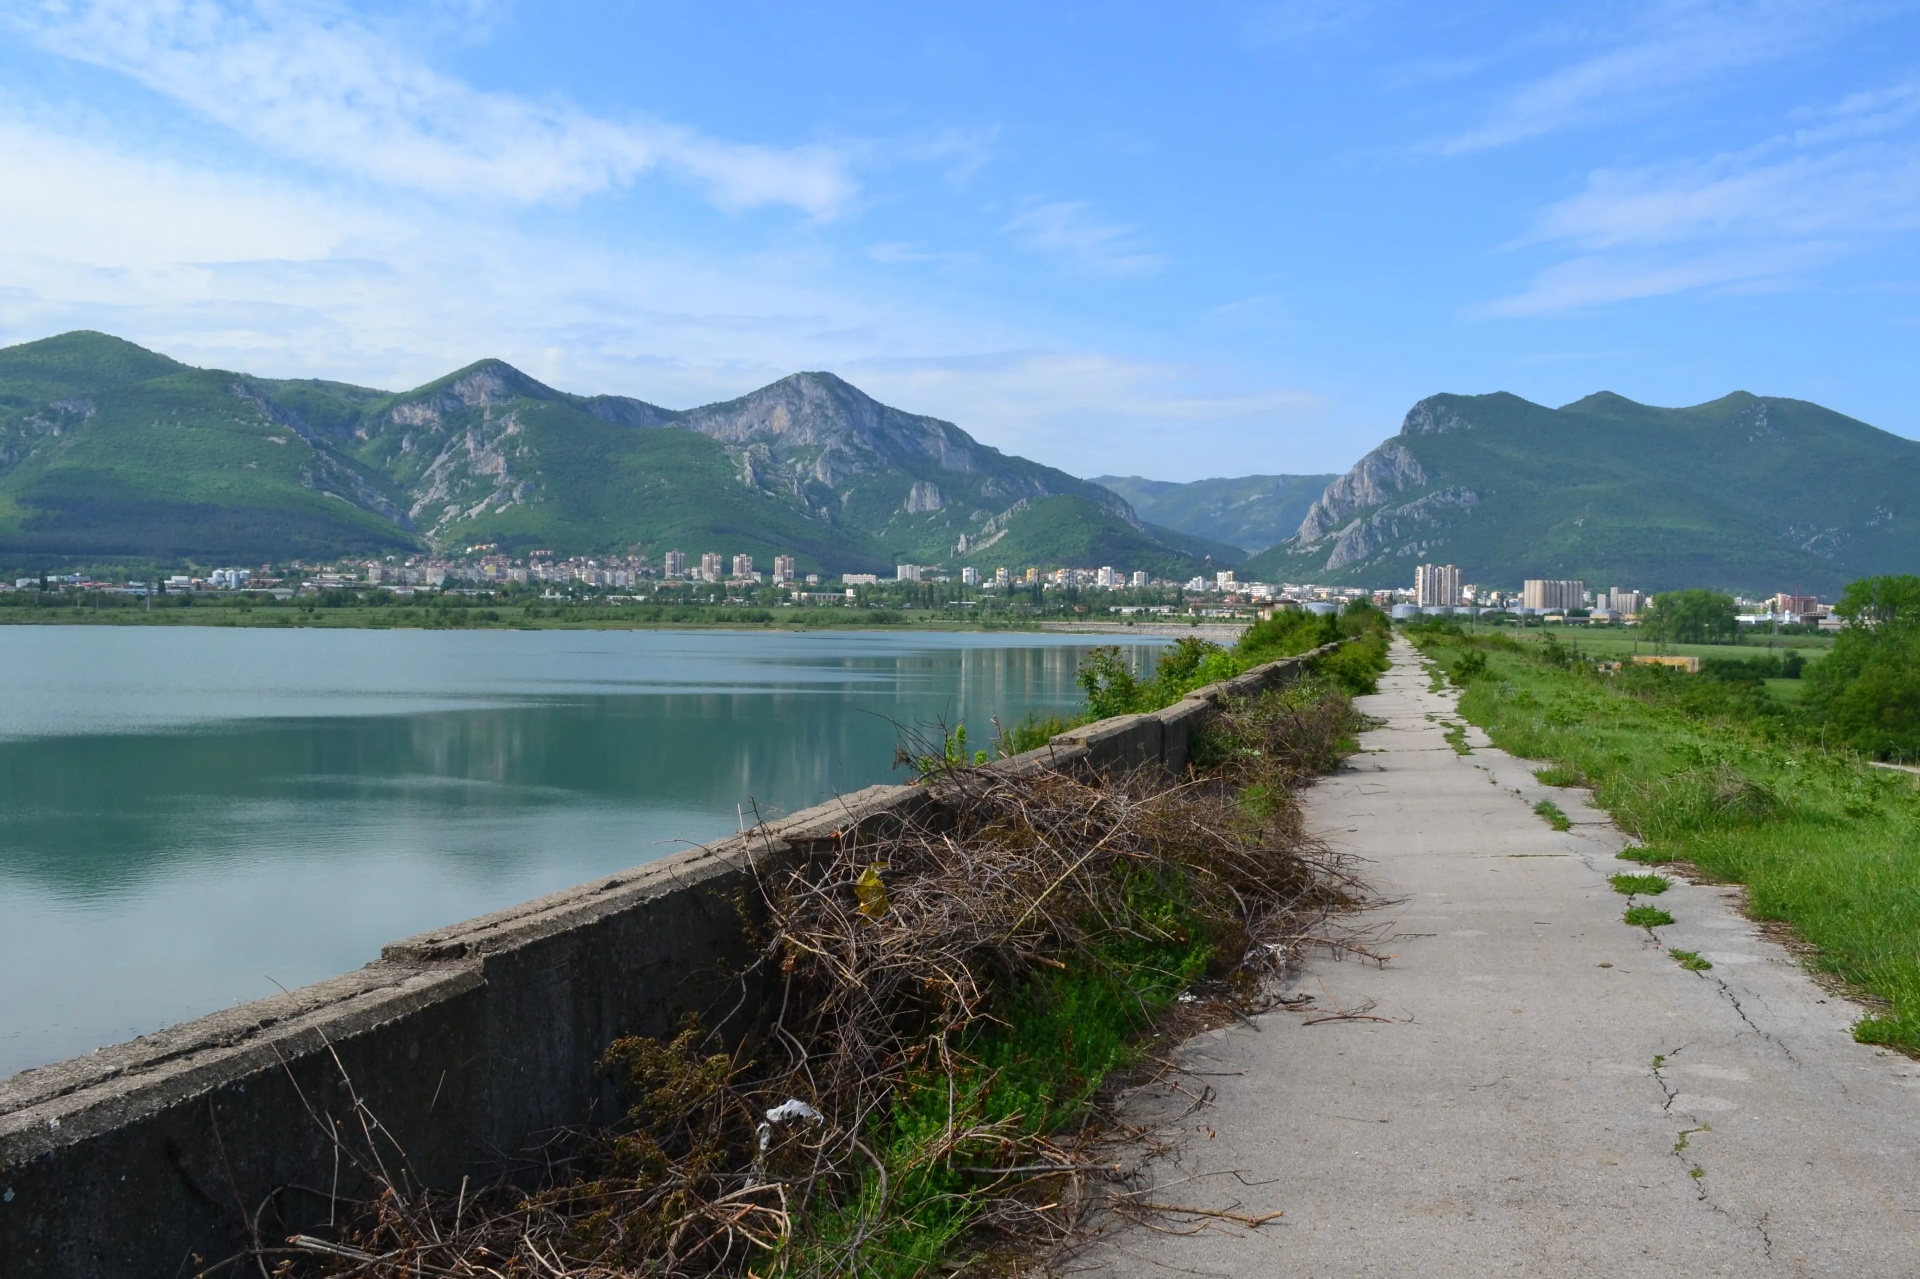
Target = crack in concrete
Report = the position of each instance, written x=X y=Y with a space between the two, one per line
x=1727 y=992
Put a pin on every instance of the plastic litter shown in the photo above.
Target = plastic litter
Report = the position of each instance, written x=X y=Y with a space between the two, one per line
x=785 y=1113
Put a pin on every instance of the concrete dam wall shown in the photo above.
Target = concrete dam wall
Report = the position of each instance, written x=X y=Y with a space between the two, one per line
x=471 y=1045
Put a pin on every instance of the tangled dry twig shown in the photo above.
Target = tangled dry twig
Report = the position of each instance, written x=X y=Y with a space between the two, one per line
x=878 y=1092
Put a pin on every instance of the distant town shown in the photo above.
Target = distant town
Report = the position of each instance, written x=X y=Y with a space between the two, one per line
x=737 y=579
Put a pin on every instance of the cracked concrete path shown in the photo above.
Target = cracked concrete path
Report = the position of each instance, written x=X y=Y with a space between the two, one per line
x=1552 y=1094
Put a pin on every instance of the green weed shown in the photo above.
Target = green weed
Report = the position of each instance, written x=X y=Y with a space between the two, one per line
x=1690 y=960
x=1713 y=774
x=1650 y=885
x=1647 y=917
x=1560 y=775
x=1551 y=811
x=1457 y=738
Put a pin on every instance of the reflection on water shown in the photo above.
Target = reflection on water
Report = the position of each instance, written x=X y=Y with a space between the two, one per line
x=188 y=817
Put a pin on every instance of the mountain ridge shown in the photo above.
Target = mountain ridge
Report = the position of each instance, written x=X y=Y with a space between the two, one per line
x=809 y=465
x=1251 y=512
x=1744 y=492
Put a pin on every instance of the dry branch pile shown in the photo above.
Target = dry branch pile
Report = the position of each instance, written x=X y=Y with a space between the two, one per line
x=933 y=1010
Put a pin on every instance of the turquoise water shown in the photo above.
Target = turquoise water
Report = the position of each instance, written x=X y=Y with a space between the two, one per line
x=191 y=818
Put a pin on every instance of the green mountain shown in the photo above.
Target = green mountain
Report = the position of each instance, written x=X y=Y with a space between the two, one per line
x=109 y=451
x=1743 y=493
x=1251 y=512
x=1078 y=531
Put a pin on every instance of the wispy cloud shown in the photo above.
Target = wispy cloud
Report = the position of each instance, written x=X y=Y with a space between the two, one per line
x=320 y=85
x=1846 y=179
x=1666 y=50
x=1070 y=230
x=1092 y=412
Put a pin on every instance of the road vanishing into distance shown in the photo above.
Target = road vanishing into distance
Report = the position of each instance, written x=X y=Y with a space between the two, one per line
x=1529 y=1086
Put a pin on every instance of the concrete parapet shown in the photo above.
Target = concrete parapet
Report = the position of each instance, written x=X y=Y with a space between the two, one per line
x=472 y=1044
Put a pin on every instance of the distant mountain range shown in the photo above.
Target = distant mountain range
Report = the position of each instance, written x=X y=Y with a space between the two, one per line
x=109 y=452
x=112 y=452
x=1252 y=512
x=1745 y=493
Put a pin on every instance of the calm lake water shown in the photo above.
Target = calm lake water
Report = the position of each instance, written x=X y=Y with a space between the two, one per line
x=190 y=816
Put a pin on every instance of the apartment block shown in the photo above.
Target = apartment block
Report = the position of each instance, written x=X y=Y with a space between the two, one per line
x=710 y=566
x=1548 y=595
x=1624 y=601
x=1436 y=586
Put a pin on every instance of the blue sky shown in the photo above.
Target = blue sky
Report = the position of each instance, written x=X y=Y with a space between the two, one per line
x=1173 y=240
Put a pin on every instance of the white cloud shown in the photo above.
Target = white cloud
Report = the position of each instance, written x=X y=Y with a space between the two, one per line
x=1759 y=218
x=248 y=271
x=1857 y=189
x=1598 y=280
x=1091 y=412
x=1088 y=245
x=1670 y=49
x=319 y=85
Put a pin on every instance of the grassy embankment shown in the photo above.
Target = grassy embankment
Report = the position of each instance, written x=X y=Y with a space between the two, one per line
x=1112 y=688
x=1734 y=780
x=951 y=1001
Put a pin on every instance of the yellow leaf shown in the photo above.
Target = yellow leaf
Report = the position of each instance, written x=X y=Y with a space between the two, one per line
x=871 y=893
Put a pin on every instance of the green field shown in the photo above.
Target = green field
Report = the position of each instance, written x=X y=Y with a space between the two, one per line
x=1709 y=776
x=1610 y=644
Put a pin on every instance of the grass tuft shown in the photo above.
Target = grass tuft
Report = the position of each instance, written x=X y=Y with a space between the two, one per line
x=1647 y=916
x=1690 y=960
x=1561 y=775
x=1551 y=811
x=1650 y=885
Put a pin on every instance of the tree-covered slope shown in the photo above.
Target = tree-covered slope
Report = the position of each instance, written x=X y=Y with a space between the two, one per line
x=1744 y=493
x=139 y=457
x=1251 y=511
x=1074 y=530
x=108 y=451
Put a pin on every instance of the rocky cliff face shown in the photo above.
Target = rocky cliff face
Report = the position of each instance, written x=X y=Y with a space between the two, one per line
x=1375 y=480
x=1377 y=508
x=816 y=436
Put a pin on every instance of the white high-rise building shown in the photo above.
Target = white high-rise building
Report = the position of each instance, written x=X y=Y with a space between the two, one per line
x=674 y=563
x=1550 y=595
x=1436 y=586
x=1223 y=580
x=1108 y=578
x=906 y=573
x=782 y=568
x=969 y=576
x=1001 y=577
x=710 y=566
x=743 y=566
x=1140 y=579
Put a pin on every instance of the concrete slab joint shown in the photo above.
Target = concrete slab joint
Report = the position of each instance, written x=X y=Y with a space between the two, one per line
x=1541 y=1090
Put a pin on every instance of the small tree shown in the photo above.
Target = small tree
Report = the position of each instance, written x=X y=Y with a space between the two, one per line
x=1691 y=617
